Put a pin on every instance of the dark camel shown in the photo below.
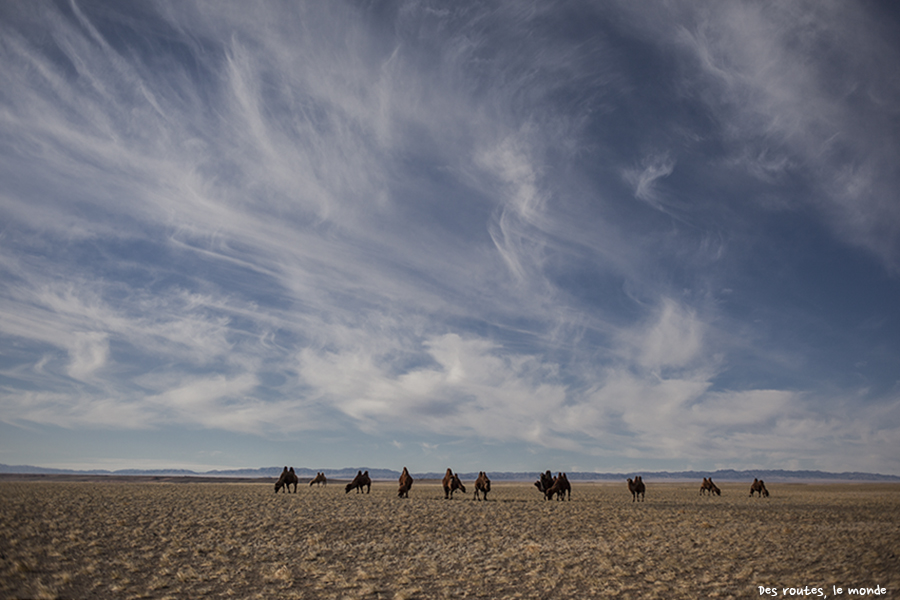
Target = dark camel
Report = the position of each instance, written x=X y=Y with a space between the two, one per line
x=285 y=480
x=637 y=489
x=361 y=480
x=406 y=482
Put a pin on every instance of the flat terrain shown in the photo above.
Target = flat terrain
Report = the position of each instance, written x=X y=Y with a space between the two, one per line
x=120 y=539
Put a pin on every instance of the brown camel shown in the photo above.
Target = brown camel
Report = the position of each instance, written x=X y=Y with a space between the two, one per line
x=560 y=488
x=482 y=484
x=759 y=487
x=319 y=479
x=708 y=487
x=361 y=480
x=406 y=482
x=451 y=483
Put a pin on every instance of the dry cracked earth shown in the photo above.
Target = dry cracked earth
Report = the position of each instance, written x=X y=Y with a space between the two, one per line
x=211 y=540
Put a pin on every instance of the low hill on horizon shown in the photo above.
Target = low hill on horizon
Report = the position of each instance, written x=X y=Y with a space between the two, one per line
x=390 y=474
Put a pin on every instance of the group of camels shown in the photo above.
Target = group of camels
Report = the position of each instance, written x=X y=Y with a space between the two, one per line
x=289 y=478
x=548 y=485
x=451 y=483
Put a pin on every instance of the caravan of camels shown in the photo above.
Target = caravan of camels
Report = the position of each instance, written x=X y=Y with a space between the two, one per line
x=547 y=484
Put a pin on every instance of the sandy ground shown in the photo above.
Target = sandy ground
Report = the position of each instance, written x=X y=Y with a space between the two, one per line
x=122 y=539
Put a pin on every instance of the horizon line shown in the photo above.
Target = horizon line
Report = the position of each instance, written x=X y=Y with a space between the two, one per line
x=803 y=474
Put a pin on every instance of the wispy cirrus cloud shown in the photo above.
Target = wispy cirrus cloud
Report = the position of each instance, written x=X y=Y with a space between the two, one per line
x=791 y=85
x=645 y=177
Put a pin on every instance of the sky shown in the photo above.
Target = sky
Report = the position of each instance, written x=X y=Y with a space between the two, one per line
x=489 y=235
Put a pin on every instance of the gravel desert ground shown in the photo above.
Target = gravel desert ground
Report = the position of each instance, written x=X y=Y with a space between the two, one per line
x=118 y=539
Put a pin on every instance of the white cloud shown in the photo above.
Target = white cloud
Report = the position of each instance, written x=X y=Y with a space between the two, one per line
x=645 y=177
x=468 y=387
x=74 y=409
x=672 y=338
x=88 y=353
x=516 y=230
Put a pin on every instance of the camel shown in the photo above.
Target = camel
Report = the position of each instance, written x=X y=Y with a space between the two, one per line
x=361 y=480
x=545 y=482
x=451 y=483
x=280 y=483
x=446 y=481
x=759 y=487
x=482 y=484
x=406 y=482
x=285 y=480
x=319 y=479
x=560 y=488
x=709 y=487
x=636 y=488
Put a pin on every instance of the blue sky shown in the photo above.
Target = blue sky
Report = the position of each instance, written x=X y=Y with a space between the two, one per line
x=497 y=236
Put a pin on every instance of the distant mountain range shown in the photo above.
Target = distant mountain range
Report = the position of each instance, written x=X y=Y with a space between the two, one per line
x=388 y=474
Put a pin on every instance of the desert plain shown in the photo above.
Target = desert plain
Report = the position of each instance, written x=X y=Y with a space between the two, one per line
x=126 y=539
